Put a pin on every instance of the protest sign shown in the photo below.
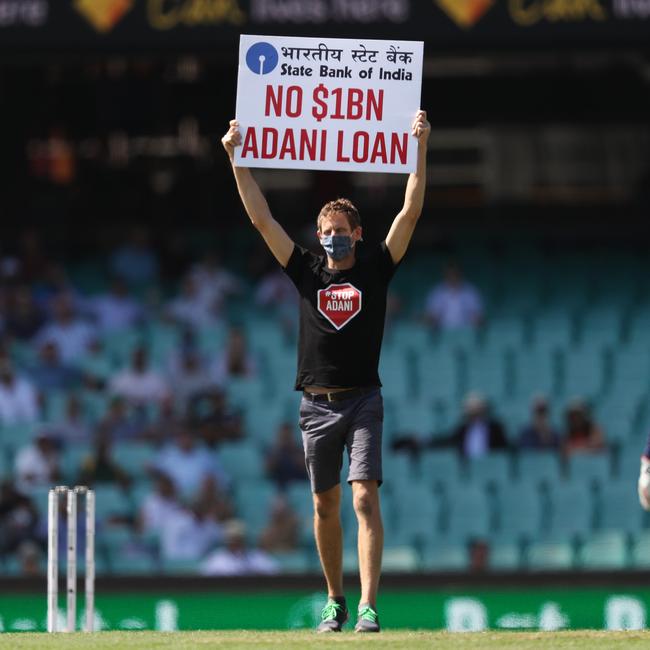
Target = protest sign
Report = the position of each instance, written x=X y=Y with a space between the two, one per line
x=332 y=103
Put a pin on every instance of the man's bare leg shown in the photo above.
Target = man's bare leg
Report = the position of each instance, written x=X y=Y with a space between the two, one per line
x=371 y=538
x=329 y=538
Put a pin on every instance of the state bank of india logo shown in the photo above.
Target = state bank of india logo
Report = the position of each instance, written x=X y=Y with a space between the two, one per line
x=262 y=58
x=339 y=303
x=465 y=13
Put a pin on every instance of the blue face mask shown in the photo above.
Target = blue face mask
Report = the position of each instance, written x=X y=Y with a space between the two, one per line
x=337 y=247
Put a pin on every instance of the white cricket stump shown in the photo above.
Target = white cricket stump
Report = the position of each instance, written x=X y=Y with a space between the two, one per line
x=70 y=495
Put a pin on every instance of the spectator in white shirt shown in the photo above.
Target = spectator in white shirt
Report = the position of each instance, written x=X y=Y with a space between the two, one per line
x=189 y=376
x=37 y=464
x=139 y=384
x=71 y=335
x=115 y=310
x=190 y=308
x=189 y=465
x=454 y=303
x=18 y=399
x=236 y=559
x=215 y=283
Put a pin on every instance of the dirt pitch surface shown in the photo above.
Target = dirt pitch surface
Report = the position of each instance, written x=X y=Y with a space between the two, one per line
x=301 y=640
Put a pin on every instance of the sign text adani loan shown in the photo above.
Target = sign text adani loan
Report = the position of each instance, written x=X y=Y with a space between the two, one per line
x=330 y=103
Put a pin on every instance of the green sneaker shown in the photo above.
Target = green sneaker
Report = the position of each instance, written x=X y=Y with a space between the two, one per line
x=368 y=620
x=333 y=617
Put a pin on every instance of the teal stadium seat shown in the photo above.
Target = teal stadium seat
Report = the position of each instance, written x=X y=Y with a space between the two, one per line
x=572 y=510
x=133 y=457
x=640 y=551
x=539 y=467
x=504 y=557
x=619 y=506
x=444 y=557
x=112 y=501
x=243 y=461
x=395 y=374
x=438 y=375
x=416 y=516
x=550 y=556
x=254 y=502
x=604 y=551
x=536 y=370
x=399 y=559
x=584 y=372
x=441 y=468
x=487 y=373
x=491 y=471
x=468 y=514
x=594 y=469
x=519 y=512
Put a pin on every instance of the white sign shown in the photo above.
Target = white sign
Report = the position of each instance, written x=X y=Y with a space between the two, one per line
x=328 y=103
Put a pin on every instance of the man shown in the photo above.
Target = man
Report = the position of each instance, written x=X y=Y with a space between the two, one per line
x=342 y=311
x=644 y=478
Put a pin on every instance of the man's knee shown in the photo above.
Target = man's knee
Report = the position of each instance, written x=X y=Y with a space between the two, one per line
x=366 y=500
x=327 y=504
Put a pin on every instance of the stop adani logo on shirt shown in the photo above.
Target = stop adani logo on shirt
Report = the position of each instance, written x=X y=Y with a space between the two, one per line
x=328 y=103
x=339 y=303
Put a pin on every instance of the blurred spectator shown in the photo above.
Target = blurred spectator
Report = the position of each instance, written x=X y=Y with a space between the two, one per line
x=158 y=505
x=70 y=335
x=18 y=519
x=183 y=534
x=454 y=303
x=189 y=464
x=582 y=433
x=539 y=433
x=276 y=293
x=479 y=555
x=50 y=372
x=100 y=467
x=281 y=532
x=213 y=501
x=135 y=261
x=72 y=427
x=22 y=317
x=214 y=283
x=214 y=418
x=285 y=460
x=95 y=365
x=188 y=375
x=54 y=282
x=478 y=434
x=29 y=559
x=37 y=464
x=236 y=361
x=18 y=401
x=139 y=384
x=120 y=423
x=190 y=308
x=115 y=310
x=236 y=558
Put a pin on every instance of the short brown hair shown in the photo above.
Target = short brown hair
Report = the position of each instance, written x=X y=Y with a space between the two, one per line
x=340 y=205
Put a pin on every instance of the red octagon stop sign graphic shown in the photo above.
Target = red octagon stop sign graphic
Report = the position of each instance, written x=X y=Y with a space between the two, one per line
x=339 y=303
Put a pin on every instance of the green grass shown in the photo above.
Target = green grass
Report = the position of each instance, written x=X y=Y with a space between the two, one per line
x=240 y=640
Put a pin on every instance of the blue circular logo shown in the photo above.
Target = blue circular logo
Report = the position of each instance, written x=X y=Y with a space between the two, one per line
x=262 y=58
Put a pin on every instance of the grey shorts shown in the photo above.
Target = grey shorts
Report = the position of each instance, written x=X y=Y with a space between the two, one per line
x=330 y=427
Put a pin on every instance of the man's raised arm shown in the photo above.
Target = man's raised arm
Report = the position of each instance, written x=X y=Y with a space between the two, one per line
x=254 y=202
x=403 y=225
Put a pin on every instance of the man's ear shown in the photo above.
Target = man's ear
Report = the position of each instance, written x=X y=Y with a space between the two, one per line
x=357 y=234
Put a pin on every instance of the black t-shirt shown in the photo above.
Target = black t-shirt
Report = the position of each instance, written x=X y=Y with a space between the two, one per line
x=342 y=316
